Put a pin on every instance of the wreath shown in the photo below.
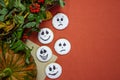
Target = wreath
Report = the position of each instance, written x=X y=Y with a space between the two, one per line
x=18 y=15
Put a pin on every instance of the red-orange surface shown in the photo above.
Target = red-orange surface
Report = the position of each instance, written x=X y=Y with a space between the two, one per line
x=94 y=33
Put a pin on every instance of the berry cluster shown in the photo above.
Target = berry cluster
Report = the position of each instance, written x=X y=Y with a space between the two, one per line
x=34 y=8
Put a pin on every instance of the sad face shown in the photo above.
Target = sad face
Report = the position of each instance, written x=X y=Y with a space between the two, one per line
x=44 y=53
x=53 y=70
x=45 y=35
x=60 y=21
x=62 y=46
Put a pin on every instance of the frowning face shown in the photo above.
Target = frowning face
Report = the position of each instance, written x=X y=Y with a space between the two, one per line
x=62 y=46
x=53 y=70
x=45 y=35
x=44 y=53
x=60 y=21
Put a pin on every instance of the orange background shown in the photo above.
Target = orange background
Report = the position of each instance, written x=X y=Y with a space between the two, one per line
x=94 y=33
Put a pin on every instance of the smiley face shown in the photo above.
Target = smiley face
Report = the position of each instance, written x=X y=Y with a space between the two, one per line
x=53 y=70
x=44 y=53
x=60 y=21
x=62 y=46
x=45 y=35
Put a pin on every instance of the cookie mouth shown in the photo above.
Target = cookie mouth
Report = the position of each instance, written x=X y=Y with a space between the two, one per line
x=62 y=50
x=60 y=25
x=53 y=74
x=44 y=57
x=45 y=39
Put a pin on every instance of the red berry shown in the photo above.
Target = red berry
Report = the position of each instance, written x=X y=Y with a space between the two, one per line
x=34 y=8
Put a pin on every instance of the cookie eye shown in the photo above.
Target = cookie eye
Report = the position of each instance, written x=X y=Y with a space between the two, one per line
x=50 y=68
x=60 y=44
x=42 y=33
x=61 y=19
x=45 y=51
x=41 y=52
x=47 y=32
x=64 y=44
x=54 y=67
x=57 y=19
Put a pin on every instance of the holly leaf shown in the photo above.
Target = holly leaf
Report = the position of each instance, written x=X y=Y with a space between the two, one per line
x=42 y=16
x=28 y=54
x=2 y=3
x=3 y=12
x=61 y=2
x=19 y=5
x=19 y=19
x=29 y=25
x=11 y=4
x=31 y=17
x=43 y=8
x=2 y=17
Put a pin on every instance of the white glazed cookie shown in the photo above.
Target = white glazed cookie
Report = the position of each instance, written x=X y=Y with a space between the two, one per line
x=60 y=21
x=45 y=36
x=62 y=46
x=53 y=70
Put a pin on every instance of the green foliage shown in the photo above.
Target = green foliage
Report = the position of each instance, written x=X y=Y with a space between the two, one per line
x=17 y=45
x=2 y=3
x=19 y=19
x=31 y=17
x=19 y=5
x=61 y=2
x=3 y=12
x=18 y=12
x=29 y=25
x=11 y=4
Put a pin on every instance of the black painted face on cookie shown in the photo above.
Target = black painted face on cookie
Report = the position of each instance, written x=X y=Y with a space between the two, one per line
x=53 y=70
x=60 y=21
x=62 y=46
x=44 y=53
x=45 y=36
